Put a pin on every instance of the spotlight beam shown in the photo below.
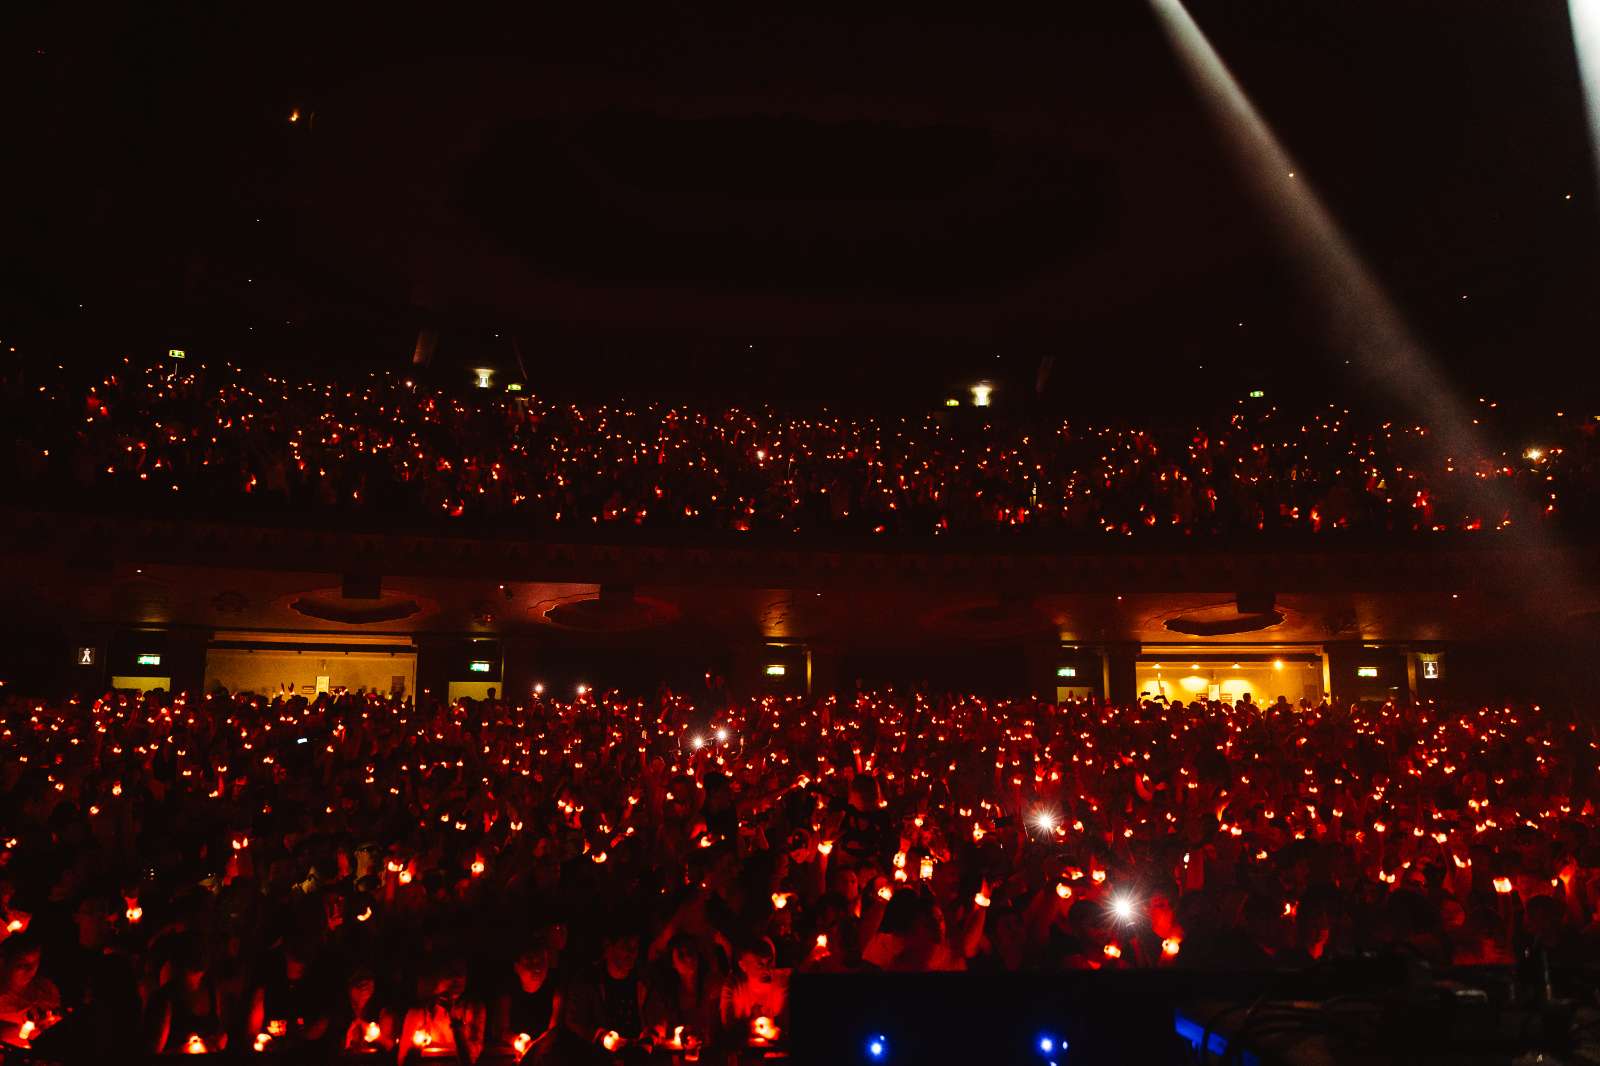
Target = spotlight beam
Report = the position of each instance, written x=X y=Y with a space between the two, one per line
x=1358 y=311
x=1363 y=314
x=1585 y=17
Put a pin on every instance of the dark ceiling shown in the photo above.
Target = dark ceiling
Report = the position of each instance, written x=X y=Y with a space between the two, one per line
x=687 y=198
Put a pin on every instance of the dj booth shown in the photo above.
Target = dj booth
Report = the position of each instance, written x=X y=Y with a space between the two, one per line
x=1356 y=1012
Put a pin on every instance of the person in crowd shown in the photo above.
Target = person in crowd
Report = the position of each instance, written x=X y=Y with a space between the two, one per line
x=29 y=1002
x=367 y=1026
x=607 y=1006
x=186 y=1013
x=98 y=987
x=757 y=989
x=447 y=1023
x=684 y=999
x=527 y=1014
x=290 y=1006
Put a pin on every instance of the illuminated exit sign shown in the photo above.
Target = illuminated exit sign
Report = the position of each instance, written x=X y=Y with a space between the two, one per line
x=478 y=666
x=177 y=353
x=148 y=659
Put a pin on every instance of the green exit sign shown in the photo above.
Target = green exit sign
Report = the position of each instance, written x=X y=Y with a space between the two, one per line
x=148 y=659
x=478 y=666
x=177 y=353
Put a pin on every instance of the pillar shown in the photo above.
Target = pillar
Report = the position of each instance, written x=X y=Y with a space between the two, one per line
x=1121 y=682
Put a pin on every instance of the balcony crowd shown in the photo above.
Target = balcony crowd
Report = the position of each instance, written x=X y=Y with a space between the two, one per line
x=226 y=440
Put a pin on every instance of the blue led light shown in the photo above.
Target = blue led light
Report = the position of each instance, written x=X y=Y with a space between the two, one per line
x=1050 y=1045
x=877 y=1048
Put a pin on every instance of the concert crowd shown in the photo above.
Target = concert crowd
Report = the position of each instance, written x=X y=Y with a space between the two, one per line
x=228 y=440
x=628 y=880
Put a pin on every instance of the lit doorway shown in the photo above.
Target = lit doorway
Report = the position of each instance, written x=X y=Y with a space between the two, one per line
x=1229 y=675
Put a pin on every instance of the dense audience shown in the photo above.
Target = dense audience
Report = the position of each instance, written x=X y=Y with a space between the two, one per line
x=620 y=880
x=230 y=439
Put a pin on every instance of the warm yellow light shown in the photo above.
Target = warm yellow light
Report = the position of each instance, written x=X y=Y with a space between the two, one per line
x=981 y=394
x=1277 y=664
x=483 y=375
x=1194 y=683
x=1533 y=455
x=776 y=670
